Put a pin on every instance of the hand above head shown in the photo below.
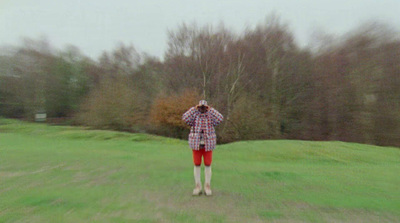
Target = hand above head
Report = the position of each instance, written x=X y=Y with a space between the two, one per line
x=202 y=108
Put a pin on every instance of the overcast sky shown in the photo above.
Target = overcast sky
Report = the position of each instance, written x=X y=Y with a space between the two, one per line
x=97 y=25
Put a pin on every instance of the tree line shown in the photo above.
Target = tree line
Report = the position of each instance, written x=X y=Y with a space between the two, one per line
x=267 y=87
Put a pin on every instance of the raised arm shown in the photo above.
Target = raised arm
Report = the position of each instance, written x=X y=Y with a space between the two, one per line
x=189 y=116
x=217 y=117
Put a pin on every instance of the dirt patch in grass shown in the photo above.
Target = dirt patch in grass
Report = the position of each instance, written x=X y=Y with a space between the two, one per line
x=221 y=205
x=311 y=213
x=22 y=173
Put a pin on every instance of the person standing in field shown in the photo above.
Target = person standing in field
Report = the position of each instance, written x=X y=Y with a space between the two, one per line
x=202 y=140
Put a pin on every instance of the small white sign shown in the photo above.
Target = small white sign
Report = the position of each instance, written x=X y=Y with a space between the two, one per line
x=41 y=117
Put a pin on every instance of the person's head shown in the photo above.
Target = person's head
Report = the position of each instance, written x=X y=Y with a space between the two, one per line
x=202 y=106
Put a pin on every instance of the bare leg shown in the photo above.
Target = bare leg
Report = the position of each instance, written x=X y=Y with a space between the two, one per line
x=196 y=172
x=207 y=188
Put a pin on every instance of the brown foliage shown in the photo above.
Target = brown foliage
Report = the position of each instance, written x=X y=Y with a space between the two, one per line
x=168 y=110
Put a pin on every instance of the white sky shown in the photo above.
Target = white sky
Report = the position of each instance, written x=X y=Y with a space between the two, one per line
x=97 y=25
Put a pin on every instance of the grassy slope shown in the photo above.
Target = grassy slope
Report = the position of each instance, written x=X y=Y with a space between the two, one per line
x=69 y=174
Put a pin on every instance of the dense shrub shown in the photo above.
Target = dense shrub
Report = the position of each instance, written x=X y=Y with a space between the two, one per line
x=248 y=120
x=111 y=105
x=167 y=111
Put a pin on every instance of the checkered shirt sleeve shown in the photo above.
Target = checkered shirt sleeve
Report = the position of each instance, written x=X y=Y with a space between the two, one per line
x=189 y=116
x=216 y=117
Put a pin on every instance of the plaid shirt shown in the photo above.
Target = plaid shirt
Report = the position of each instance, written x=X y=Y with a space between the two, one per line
x=202 y=121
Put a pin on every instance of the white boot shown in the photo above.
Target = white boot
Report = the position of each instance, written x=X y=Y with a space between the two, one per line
x=196 y=172
x=207 y=187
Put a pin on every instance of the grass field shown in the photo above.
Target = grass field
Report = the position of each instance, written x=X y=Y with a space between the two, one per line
x=69 y=174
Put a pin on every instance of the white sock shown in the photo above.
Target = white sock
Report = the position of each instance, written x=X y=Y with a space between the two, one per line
x=196 y=172
x=207 y=172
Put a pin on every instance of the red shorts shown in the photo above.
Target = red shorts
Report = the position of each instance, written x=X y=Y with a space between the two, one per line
x=197 y=154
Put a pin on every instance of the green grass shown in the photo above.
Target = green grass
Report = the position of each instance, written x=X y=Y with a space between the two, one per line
x=72 y=174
